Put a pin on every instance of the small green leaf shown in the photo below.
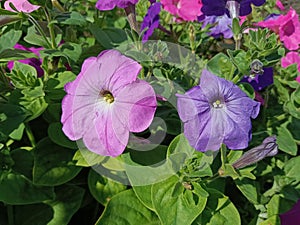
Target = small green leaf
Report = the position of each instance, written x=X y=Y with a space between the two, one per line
x=285 y=141
x=292 y=168
x=249 y=188
x=125 y=208
x=9 y=39
x=58 y=137
x=221 y=65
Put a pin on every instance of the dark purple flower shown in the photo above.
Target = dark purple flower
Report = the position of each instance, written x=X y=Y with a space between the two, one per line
x=221 y=27
x=218 y=7
x=110 y=4
x=215 y=112
x=35 y=62
x=291 y=217
x=260 y=81
x=151 y=20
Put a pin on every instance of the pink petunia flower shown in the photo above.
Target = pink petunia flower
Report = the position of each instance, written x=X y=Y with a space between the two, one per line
x=21 y=6
x=287 y=26
x=188 y=10
x=291 y=58
x=279 y=5
x=105 y=102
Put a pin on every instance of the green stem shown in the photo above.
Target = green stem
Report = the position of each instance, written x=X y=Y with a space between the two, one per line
x=223 y=154
x=51 y=29
x=40 y=30
x=10 y=214
x=30 y=135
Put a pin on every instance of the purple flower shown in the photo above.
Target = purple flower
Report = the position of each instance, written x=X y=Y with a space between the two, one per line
x=110 y=4
x=292 y=216
x=221 y=27
x=260 y=81
x=105 y=102
x=36 y=63
x=218 y=7
x=215 y=112
x=151 y=20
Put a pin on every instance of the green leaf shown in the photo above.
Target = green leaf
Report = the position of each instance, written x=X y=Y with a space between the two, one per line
x=278 y=205
x=102 y=188
x=66 y=203
x=176 y=205
x=221 y=66
x=125 y=208
x=285 y=141
x=219 y=210
x=11 y=117
x=53 y=164
x=84 y=157
x=15 y=54
x=23 y=162
x=249 y=188
x=73 y=18
x=292 y=168
x=16 y=189
x=9 y=39
x=144 y=195
x=108 y=37
x=58 y=137
x=37 y=214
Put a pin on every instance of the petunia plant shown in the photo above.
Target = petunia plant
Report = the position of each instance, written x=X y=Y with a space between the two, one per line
x=131 y=112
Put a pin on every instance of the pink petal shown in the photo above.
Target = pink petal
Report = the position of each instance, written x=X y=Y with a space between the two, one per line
x=106 y=135
x=135 y=106
x=21 y=5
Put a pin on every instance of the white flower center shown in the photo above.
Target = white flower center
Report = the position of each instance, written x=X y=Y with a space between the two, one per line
x=218 y=104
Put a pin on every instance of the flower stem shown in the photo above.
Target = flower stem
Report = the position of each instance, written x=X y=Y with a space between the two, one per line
x=40 y=30
x=223 y=155
x=30 y=135
x=51 y=29
x=10 y=214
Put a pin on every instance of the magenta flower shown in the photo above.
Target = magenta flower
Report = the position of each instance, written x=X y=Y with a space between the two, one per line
x=105 y=102
x=287 y=26
x=292 y=216
x=110 y=4
x=21 y=6
x=291 y=58
x=187 y=10
x=36 y=63
x=215 y=112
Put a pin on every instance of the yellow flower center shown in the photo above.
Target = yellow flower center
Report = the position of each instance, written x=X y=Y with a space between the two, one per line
x=107 y=96
x=217 y=104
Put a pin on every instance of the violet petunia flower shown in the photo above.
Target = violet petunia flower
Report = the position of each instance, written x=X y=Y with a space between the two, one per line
x=215 y=112
x=291 y=217
x=151 y=20
x=218 y=7
x=287 y=26
x=222 y=26
x=21 y=6
x=105 y=102
x=35 y=62
x=260 y=81
x=110 y=4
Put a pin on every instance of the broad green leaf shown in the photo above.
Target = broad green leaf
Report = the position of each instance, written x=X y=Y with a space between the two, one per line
x=73 y=18
x=102 y=188
x=84 y=157
x=58 y=137
x=219 y=210
x=292 y=168
x=285 y=141
x=53 y=164
x=221 y=66
x=250 y=189
x=144 y=195
x=11 y=117
x=23 y=162
x=66 y=203
x=278 y=205
x=9 y=39
x=125 y=208
x=37 y=214
x=176 y=205
x=52 y=113
x=16 y=189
